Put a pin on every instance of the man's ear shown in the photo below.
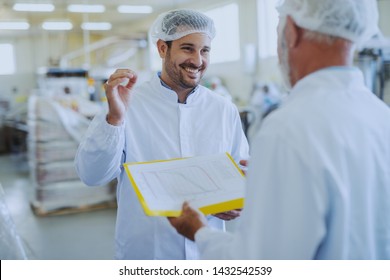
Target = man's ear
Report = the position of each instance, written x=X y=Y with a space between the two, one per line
x=162 y=48
x=292 y=33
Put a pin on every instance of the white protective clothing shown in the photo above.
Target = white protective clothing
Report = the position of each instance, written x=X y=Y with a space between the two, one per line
x=157 y=127
x=318 y=179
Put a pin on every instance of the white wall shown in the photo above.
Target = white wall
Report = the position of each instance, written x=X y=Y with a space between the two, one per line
x=384 y=16
x=24 y=80
x=238 y=79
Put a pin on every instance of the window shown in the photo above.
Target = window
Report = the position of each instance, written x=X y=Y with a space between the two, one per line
x=267 y=23
x=7 y=65
x=226 y=44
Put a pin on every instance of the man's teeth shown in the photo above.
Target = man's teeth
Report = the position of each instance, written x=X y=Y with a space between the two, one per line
x=191 y=70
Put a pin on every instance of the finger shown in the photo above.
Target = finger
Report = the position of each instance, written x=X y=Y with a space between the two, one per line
x=123 y=75
x=186 y=206
x=110 y=84
x=172 y=220
x=223 y=217
x=228 y=215
x=188 y=209
x=232 y=214
x=226 y=218
x=122 y=71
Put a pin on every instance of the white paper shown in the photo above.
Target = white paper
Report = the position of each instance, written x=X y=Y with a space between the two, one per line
x=202 y=181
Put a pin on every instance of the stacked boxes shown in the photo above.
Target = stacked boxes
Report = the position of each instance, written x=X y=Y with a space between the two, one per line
x=54 y=134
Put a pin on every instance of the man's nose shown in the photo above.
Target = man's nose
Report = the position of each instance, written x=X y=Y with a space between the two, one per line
x=197 y=59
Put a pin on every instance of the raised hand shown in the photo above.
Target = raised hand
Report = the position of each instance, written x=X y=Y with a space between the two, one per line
x=118 y=91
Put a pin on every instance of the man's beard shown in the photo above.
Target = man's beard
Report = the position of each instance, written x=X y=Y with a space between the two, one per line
x=176 y=75
x=283 y=54
x=284 y=65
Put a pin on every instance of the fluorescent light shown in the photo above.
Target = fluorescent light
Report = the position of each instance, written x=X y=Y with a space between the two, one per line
x=96 y=26
x=30 y=7
x=14 y=25
x=57 y=25
x=76 y=8
x=128 y=9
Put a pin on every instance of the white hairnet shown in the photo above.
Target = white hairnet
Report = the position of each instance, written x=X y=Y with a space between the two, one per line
x=354 y=20
x=175 y=24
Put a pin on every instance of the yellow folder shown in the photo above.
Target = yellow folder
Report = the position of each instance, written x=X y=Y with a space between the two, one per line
x=212 y=183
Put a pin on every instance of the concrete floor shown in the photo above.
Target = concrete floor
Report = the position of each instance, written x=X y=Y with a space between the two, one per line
x=80 y=236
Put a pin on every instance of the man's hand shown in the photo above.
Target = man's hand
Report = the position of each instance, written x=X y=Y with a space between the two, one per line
x=229 y=215
x=189 y=222
x=118 y=95
x=244 y=164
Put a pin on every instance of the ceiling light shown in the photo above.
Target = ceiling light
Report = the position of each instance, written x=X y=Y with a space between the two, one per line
x=86 y=8
x=31 y=7
x=96 y=26
x=127 y=9
x=14 y=25
x=57 y=25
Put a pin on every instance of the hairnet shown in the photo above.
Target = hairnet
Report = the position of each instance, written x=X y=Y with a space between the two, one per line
x=354 y=20
x=175 y=24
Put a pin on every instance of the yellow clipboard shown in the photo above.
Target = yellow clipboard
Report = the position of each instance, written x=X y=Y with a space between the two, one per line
x=213 y=184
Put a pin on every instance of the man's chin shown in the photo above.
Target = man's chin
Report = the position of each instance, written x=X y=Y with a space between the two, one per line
x=193 y=77
x=191 y=83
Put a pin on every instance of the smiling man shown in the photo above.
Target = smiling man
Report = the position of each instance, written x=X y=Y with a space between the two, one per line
x=180 y=73
x=170 y=116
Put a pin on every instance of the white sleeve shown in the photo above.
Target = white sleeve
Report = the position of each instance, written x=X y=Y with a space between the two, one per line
x=240 y=146
x=99 y=156
x=284 y=216
x=213 y=244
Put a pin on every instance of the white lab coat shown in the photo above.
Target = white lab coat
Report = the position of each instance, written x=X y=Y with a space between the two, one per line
x=318 y=179
x=157 y=127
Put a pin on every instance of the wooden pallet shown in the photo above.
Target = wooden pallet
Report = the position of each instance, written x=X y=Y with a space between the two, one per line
x=72 y=210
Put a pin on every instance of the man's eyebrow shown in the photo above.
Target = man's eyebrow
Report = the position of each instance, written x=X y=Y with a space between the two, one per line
x=187 y=44
x=192 y=45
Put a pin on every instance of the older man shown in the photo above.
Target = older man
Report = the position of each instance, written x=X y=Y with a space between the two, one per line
x=319 y=177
